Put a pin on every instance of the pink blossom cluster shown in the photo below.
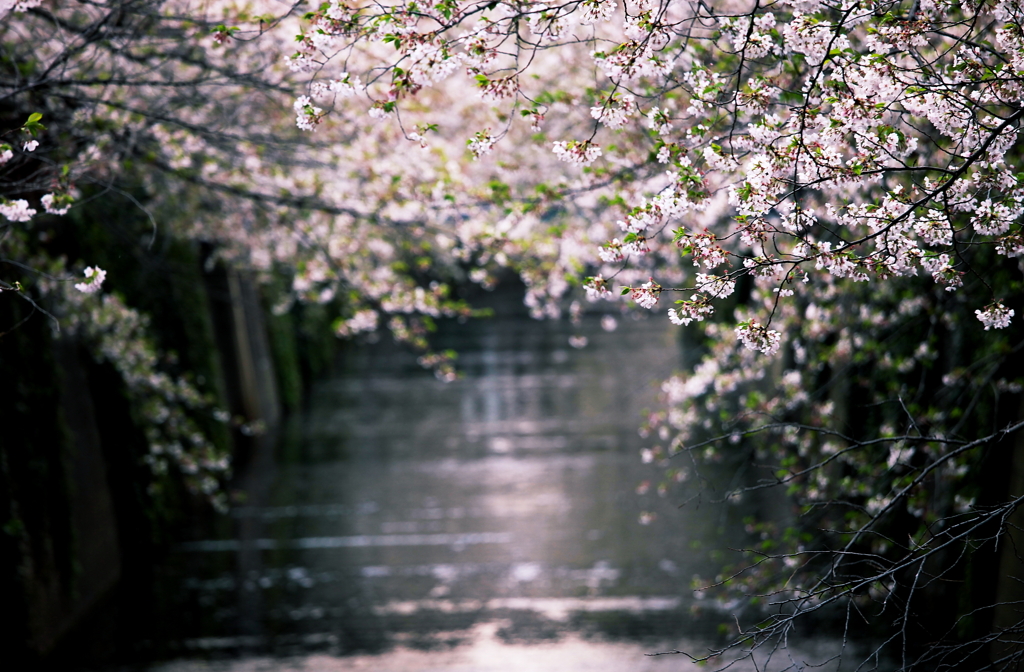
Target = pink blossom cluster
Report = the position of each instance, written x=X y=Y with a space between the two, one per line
x=995 y=316
x=758 y=337
x=697 y=308
x=573 y=151
x=94 y=277
x=646 y=295
x=17 y=211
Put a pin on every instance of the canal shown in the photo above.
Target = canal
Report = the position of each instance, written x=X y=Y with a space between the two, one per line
x=504 y=521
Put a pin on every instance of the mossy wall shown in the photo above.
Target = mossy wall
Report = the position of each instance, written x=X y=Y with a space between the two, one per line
x=80 y=529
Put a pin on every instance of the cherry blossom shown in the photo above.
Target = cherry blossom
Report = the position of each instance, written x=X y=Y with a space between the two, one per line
x=17 y=211
x=757 y=337
x=56 y=204
x=995 y=316
x=572 y=151
x=646 y=295
x=94 y=277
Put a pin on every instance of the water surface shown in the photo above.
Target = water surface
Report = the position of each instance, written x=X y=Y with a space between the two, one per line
x=488 y=524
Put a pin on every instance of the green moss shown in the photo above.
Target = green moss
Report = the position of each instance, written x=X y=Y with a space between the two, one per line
x=317 y=345
x=283 y=348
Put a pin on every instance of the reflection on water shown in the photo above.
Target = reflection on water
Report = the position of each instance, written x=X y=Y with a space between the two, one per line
x=485 y=524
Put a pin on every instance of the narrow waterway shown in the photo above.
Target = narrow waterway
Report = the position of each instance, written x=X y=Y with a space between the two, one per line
x=488 y=524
